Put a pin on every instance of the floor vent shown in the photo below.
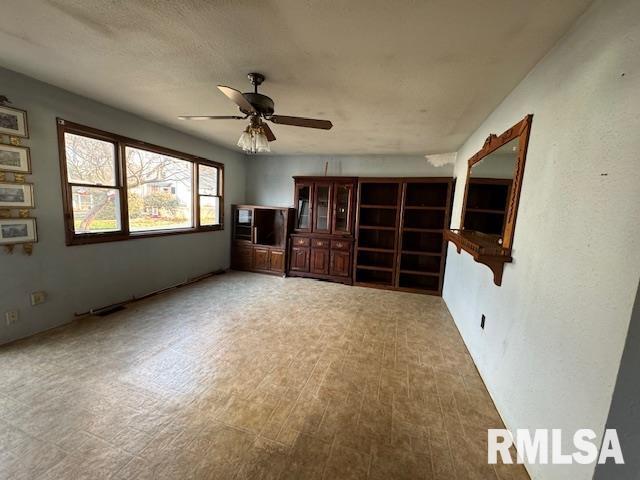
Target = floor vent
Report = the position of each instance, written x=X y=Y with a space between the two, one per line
x=108 y=310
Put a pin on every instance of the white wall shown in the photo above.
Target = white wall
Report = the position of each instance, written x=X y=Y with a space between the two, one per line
x=82 y=277
x=269 y=179
x=556 y=328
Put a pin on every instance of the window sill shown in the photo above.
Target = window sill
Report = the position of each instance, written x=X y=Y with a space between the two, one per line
x=90 y=238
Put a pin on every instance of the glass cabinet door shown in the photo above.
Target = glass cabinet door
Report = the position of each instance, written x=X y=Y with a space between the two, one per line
x=243 y=221
x=303 y=207
x=323 y=207
x=342 y=208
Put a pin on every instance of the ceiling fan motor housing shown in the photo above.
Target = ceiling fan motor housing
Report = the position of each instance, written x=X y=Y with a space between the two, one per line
x=263 y=104
x=258 y=106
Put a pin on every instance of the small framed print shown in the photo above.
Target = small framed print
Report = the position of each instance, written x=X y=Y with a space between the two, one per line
x=13 y=122
x=17 y=230
x=15 y=159
x=16 y=195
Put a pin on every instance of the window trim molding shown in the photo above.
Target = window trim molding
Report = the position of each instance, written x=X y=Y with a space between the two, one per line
x=121 y=142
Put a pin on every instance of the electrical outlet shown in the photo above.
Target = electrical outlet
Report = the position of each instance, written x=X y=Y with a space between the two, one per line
x=11 y=317
x=38 y=297
x=482 y=320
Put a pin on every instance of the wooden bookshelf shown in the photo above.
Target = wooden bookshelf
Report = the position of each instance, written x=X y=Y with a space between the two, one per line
x=377 y=219
x=400 y=225
x=486 y=206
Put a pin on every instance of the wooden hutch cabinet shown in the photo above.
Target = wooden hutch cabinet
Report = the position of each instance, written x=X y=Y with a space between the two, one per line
x=259 y=242
x=322 y=243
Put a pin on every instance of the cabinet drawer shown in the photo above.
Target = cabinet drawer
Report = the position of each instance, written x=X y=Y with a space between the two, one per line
x=340 y=245
x=319 y=243
x=300 y=242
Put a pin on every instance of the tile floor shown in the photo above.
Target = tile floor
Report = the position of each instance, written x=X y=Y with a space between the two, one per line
x=247 y=376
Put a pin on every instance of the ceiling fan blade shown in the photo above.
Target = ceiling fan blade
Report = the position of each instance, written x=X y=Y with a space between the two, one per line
x=267 y=131
x=301 y=122
x=211 y=117
x=237 y=97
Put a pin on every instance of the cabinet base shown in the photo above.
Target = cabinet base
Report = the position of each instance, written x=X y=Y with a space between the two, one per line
x=266 y=272
x=317 y=276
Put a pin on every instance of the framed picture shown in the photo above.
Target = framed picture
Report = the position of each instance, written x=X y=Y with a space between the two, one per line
x=13 y=121
x=15 y=158
x=17 y=230
x=16 y=195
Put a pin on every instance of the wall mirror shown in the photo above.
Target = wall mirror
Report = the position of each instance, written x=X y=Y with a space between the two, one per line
x=492 y=193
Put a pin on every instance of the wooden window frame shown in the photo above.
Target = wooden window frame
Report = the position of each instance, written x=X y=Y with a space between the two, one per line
x=198 y=196
x=121 y=143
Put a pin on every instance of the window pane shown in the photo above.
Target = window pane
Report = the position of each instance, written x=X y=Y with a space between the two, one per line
x=95 y=209
x=159 y=191
x=89 y=160
x=209 y=210
x=208 y=180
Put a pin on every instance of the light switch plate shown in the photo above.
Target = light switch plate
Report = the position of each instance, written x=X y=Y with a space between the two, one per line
x=37 y=298
x=11 y=317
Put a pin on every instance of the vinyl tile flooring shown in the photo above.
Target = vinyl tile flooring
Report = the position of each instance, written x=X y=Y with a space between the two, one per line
x=247 y=376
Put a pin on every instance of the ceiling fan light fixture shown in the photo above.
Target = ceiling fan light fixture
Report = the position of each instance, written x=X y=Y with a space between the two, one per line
x=254 y=140
x=262 y=144
x=245 y=140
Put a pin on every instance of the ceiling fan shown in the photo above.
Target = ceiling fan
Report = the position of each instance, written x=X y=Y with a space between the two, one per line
x=257 y=108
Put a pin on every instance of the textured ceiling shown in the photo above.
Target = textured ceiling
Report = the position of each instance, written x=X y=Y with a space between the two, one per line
x=394 y=76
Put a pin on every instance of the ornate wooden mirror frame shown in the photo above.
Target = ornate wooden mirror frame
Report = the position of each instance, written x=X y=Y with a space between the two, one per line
x=486 y=249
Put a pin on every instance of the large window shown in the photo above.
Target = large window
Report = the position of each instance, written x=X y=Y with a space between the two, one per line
x=117 y=188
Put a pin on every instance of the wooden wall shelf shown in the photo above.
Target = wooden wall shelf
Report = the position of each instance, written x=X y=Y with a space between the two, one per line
x=483 y=248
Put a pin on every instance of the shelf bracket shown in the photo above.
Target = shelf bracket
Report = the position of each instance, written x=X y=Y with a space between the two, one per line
x=494 y=262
